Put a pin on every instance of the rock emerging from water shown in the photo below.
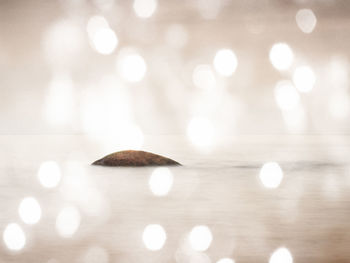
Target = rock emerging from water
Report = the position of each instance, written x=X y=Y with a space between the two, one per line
x=134 y=158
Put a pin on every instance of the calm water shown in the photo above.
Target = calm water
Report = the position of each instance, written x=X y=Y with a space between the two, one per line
x=99 y=214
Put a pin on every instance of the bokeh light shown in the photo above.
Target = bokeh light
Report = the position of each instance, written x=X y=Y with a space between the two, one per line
x=304 y=78
x=339 y=105
x=154 y=237
x=225 y=62
x=102 y=38
x=203 y=77
x=281 y=255
x=14 y=237
x=29 y=210
x=145 y=8
x=200 y=131
x=131 y=66
x=49 y=174
x=225 y=260
x=176 y=36
x=200 y=238
x=96 y=254
x=286 y=95
x=105 y=41
x=281 y=56
x=161 y=181
x=271 y=175
x=68 y=221
x=59 y=104
x=306 y=20
x=63 y=42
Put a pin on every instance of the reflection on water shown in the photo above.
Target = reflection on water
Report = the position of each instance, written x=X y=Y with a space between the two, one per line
x=200 y=238
x=14 y=237
x=281 y=255
x=29 y=210
x=154 y=237
x=68 y=221
x=228 y=205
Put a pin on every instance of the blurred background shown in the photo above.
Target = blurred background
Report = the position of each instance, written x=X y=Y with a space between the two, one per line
x=201 y=68
x=252 y=97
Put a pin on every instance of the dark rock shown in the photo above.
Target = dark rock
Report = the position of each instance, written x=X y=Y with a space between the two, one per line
x=134 y=158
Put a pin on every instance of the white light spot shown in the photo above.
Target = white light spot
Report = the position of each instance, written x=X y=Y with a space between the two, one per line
x=105 y=41
x=131 y=66
x=96 y=23
x=154 y=237
x=200 y=131
x=286 y=95
x=49 y=174
x=161 y=181
x=281 y=56
x=62 y=42
x=200 y=238
x=68 y=221
x=176 y=36
x=339 y=105
x=271 y=175
x=145 y=8
x=102 y=38
x=14 y=237
x=203 y=77
x=306 y=20
x=59 y=103
x=304 y=78
x=225 y=260
x=96 y=254
x=29 y=210
x=225 y=62
x=281 y=255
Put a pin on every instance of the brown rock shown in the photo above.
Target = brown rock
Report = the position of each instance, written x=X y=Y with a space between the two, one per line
x=134 y=158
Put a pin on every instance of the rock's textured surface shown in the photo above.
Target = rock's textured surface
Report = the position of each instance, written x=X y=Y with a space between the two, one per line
x=134 y=158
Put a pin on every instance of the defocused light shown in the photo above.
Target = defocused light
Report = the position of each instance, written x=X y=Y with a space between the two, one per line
x=14 y=237
x=145 y=8
x=225 y=62
x=209 y=9
x=176 y=36
x=49 y=174
x=154 y=237
x=200 y=238
x=281 y=56
x=200 y=131
x=304 y=78
x=131 y=66
x=105 y=41
x=95 y=23
x=62 y=42
x=286 y=95
x=197 y=257
x=271 y=175
x=306 y=20
x=96 y=254
x=295 y=119
x=29 y=210
x=101 y=36
x=339 y=105
x=281 y=255
x=59 y=104
x=161 y=181
x=225 y=260
x=104 y=4
x=203 y=77
x=68 y=221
